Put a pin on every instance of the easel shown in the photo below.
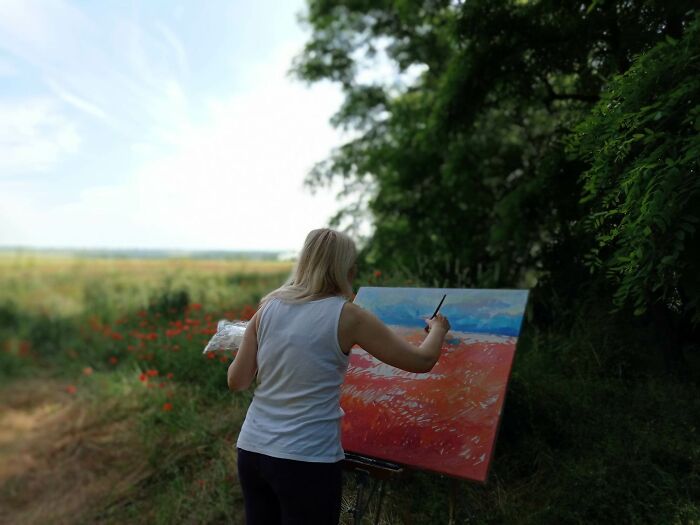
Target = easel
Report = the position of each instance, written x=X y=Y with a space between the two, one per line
x=366 y=468
x=381 y=471
x=384 y=302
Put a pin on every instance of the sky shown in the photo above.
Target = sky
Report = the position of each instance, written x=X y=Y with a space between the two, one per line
x=159 y=124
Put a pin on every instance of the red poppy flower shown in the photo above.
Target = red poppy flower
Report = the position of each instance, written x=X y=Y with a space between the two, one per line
x=167 y=406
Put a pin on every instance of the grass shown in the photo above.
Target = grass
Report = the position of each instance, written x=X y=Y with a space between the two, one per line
x=68 y=286
x=111 y=414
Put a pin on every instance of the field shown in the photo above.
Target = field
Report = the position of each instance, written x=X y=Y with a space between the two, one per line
x=67 y=286
x=109 y=412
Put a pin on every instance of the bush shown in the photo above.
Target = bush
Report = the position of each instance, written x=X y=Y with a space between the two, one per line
x=171 y=304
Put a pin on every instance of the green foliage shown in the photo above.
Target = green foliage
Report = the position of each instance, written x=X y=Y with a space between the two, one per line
x=548 y=142
x=581 y=418
x=168 y=302
x=548 y=145
x=580 y=442
x=9 y=316
x=49 y=334
x=463 y=162
x=643 y=185
x=573 y=425
x=12 y=366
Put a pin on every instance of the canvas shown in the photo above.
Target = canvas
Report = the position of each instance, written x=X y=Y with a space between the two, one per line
x=445 y=420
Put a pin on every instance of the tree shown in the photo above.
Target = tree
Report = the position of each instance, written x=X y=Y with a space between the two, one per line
x=468 y=178
x=642 y=141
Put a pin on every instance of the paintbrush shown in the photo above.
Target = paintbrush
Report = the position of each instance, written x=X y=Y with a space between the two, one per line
x=427 y=328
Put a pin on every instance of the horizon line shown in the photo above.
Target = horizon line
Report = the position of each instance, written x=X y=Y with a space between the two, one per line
x=52 y=251
x=136 y=248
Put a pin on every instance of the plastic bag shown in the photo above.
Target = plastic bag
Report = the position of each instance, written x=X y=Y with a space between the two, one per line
x=228 y=336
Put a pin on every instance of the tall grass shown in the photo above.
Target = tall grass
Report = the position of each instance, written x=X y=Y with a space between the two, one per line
x=588 y=434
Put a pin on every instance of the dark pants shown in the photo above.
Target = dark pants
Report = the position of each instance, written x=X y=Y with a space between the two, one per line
x=289 y=492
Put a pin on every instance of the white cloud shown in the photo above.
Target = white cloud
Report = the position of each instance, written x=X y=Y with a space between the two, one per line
x=233 y=182
x=45 y=33
x=17 y=217
x=237 y=180
x=176 y=45
x=122 y=74
x=34 y=136
x=228 y=178
x=76 y=101
x=381 y=70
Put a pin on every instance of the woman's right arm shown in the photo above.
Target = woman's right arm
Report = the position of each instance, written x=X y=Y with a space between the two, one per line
x=378 y=339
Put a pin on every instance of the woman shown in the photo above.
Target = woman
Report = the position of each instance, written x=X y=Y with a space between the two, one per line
x=298 y=342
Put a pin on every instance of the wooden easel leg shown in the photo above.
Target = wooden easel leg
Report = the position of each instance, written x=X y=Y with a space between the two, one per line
x=361 y=501
x=365 y=468
x=453 y=501
x=379 y=504
x=361 y=480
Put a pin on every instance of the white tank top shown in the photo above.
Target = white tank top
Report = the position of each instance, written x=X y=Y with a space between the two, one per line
x=295 y=412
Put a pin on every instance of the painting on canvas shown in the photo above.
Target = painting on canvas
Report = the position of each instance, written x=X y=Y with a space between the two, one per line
x=445 y=420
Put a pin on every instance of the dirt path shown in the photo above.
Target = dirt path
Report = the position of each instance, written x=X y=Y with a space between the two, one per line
x=61 y=459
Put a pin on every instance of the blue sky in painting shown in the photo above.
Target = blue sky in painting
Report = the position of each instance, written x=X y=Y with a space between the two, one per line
x=491 y=311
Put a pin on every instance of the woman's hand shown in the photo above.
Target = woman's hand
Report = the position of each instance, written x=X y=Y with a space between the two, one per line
x=440 y=322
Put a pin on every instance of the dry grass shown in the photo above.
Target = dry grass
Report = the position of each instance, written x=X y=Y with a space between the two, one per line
x=59 y=458
x=19 y=265
x=67 y=286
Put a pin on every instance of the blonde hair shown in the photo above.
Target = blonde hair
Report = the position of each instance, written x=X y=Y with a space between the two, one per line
x=321 y=270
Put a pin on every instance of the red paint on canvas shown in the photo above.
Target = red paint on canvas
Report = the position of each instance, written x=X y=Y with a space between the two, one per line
x=445 y=420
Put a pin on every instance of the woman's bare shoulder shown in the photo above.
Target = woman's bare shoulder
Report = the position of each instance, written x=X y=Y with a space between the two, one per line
x=353 y=314
x=352 y=309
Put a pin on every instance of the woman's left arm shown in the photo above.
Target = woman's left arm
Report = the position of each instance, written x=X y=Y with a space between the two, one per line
x=242 y=370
